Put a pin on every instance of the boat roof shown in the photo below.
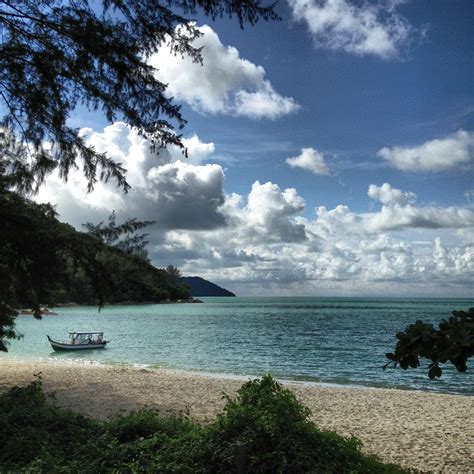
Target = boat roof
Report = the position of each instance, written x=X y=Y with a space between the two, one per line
x=85 y=333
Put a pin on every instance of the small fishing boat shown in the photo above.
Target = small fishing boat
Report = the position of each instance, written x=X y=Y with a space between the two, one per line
x=43 y=311
x=80 y=340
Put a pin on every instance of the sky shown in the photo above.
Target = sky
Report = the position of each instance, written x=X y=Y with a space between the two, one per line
x=330 y=154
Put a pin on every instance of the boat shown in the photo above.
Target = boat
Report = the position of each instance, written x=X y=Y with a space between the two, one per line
x=80 y=341
x=42 y=311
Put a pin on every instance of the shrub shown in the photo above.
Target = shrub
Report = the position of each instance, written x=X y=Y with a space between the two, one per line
x=266 y=429
x=263 y=430
x=35 y=430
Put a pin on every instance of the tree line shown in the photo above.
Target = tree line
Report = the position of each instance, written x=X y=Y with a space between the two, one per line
x=45 y=262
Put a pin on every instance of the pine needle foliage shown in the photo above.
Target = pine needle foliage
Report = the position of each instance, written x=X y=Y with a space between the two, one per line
x=56 y=55
x=44 y=261
x=35 y=251
x=122 y=236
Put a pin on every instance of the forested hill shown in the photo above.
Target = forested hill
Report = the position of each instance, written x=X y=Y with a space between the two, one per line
x=47 y=262
x=200 y=287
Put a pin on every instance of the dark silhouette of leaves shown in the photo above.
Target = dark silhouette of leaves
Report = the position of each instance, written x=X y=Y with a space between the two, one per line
x=453 y=342
x=56 y=55
x=122 y=236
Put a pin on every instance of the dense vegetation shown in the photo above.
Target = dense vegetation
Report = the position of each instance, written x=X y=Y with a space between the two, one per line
x=263 y=430
x=44 y=261
x=452 y=342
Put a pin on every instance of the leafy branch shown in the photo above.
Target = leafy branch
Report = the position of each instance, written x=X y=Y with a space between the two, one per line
x=453 y=342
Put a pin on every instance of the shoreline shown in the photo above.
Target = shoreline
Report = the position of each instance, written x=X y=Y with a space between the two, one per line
x=297 y=382
x=417 y=429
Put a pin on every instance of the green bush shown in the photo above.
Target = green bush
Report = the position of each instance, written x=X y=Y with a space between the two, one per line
x=33 y=430
x=266 y=429
x=263 y=430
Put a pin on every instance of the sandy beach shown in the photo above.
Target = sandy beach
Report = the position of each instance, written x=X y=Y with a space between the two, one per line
x=426 y=431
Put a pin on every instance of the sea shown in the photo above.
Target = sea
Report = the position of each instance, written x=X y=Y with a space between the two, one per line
x=307 y=340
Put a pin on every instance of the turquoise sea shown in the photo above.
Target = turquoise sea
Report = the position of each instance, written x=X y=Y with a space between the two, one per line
x=313 y=340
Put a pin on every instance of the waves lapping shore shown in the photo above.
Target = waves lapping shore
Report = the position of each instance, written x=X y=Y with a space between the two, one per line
x=427 y=431
x=329 y=340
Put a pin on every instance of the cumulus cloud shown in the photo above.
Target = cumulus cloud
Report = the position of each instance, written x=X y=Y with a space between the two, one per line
x=339 y=250
x=198 y=151
x=177 y=194
x=270 y=212
x=388 y=195
x=224 y=84
x=260 y=240
x=362 y=30
x=311 y=160
x=184 y=196
x=435 y=155
x=409 y=216
x=448 y=261
x=398 y=212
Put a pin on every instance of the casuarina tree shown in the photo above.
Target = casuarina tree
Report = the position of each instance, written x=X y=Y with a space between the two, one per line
x=56 y=56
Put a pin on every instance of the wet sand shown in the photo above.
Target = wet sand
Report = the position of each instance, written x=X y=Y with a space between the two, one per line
x=426 y=431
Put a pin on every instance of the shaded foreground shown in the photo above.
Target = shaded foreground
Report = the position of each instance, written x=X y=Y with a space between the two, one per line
x=264 y=429
x=414 y=429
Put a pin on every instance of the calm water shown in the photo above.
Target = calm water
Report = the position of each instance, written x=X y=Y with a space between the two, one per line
x=331 y=340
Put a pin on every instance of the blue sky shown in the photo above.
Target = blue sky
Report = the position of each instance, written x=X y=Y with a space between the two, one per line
x=376 y=92
x=353 y=106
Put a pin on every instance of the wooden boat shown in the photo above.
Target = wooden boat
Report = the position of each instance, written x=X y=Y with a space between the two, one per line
x=80 y=341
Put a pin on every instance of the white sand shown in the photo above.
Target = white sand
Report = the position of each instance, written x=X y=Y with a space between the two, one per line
x=426 y=431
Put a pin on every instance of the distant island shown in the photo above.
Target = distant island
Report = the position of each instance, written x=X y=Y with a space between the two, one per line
x=200 y=287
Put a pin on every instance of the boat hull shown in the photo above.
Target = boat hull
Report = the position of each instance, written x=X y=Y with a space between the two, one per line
x=62 y=346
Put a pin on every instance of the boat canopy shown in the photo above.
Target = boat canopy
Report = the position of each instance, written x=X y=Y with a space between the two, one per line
x=82 y=334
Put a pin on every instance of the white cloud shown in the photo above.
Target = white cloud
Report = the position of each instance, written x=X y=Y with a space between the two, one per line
x=224 y=84
x=362 y=30
x=270 y=212
x=339 y=251
x=260 y=241
x=311 y=160
x=398 y=213
x=404 y=217
x=453 y=261
x=165 y=186
x=388 y=195
x=198 y=151
x=435 y=155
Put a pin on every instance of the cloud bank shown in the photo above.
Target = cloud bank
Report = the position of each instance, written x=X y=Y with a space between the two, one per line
x=177 y=192
x=224 y=84
x=262 y=240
